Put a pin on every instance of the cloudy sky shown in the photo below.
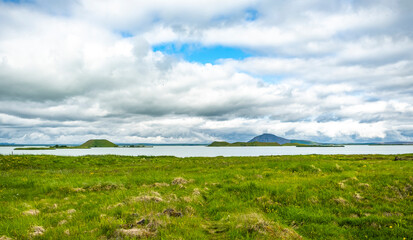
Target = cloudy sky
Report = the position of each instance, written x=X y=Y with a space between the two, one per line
x=187 y=71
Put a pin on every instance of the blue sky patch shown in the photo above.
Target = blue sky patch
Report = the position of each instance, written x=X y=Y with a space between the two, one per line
x=126 y=34
x=202 y=54
x=251 y=14
x=13 y=1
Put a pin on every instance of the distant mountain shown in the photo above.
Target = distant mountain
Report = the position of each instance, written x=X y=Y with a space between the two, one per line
x=7 y=144
x=266 y=138
x=98 y=143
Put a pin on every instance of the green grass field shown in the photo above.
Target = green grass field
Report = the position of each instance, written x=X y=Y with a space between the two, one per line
x=277 y=197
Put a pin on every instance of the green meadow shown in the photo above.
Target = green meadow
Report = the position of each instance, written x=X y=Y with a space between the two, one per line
x=271 y=197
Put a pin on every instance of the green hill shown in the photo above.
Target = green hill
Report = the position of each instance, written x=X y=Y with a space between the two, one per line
x=97 y=143
x=219 y=144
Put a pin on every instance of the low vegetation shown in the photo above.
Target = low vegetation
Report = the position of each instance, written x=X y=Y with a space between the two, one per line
x=271 y=197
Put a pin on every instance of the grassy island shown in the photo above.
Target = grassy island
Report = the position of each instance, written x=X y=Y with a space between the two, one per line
x=242 y=144
x=89 y=144
x=271 y=197
x=35 y=148
x=97 y=143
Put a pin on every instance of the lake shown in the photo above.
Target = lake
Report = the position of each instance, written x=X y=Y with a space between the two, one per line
x=203 y=151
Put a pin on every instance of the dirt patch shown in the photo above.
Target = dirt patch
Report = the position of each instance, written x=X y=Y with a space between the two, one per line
x=338 y=168
x=172 y=212
x=342 y=184
x=316 y=169
x=37 y=231
x=63 y=222
x=358 y=197
x=154 y=224
x=78 y=190
x=31 y=212
x=162 y=184
x=171 y=198
x=288 y=233
x=180 y=181
x=135 y=233
x=189 y=210
x=389 y=214
x=408 y=189
x=5 y=238
x=151 y=197
x=67 y=232
x=397 y=192
x=187 y=199
x=254 y=222
x=115 y=206
x=104 y=187
x=355 y=179
x=196 y=192
x=364 y=185
x=340 y=201
x=265 y=201
x=313 y=200
x=26 y=205
x=146 y=198
x=71 y=211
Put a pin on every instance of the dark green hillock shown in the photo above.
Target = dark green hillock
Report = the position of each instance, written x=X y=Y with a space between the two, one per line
x=98 y=143
x=219 y=144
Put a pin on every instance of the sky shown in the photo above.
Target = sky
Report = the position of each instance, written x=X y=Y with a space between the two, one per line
x=184 y=71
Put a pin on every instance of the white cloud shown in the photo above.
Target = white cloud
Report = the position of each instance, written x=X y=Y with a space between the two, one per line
x=319 y=71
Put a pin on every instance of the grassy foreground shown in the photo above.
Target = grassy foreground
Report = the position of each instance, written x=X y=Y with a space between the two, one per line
x=277 y=197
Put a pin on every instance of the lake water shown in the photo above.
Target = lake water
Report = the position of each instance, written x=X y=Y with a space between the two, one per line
x=203 y=151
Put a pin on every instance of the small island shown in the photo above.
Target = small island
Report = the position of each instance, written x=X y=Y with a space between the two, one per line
x=98 y=143
x=92 y=143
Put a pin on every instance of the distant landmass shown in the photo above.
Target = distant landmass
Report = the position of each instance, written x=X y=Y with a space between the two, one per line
x=242 y=144
x=98 y=143
x=267 y=138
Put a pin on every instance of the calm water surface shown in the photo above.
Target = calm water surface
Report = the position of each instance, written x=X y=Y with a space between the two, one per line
x=203 y=151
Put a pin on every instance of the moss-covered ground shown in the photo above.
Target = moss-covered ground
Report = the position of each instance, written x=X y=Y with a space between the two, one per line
x=273 y=197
